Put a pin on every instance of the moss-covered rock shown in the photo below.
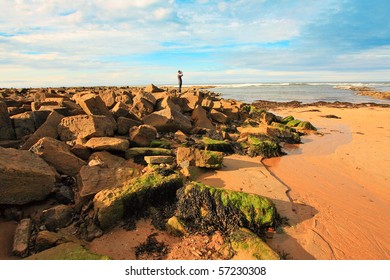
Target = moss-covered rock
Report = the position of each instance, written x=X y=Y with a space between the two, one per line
x=67 y=251
x=217 y=145
x=306 y=125
x=248 y=245
x=208 y=159
x=160 y=144
x=264 y=146
x=287 y=119
x=284 y=133
x=206 y=208
x=138 y=153
x=149 y=189
x=293 y=123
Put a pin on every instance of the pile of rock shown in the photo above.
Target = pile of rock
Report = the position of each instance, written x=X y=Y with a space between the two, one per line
x=106 y=153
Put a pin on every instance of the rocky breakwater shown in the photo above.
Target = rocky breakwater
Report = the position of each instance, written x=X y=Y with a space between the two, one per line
x=77 y=162
x=368 y=91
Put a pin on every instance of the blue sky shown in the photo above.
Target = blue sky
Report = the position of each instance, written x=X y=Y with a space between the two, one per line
x=124 y=42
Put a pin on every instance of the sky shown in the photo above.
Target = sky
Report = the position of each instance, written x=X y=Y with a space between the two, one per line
x=46 y=43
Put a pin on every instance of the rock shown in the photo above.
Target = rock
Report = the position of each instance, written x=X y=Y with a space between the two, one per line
x=142 y=107
x=108 y=97
x=47 y=239
x=70 y=128
x=24 y=124
x=207 y=104
x=109 y=172
x=199 y=115
x=249 y=246
x=22 y=238
x=152 y=88
x=218 y=116
x=217 y=145
x=47 y=129
x=185 y=154
x=176 y=227
x=107 y=143
x=168 y=103
x=124 y=125
x=25 y=178
x=40 y=117
x=180 y=136
x=263 y=146
x=293 y=123
x=199 y=158
x=57 y=217
x=168 y=120
x=189 y=101
x=67 y=251
x=287 y=119
x=267 y=118
x=142 y=152
x=58 y=155
x=159 y=159
x=81 y=151
x=283 y=133
x=93 y=105
x=6 y=130
x=110 y=206
x=143 y=135
x=121 y=110
x=207 y=208
x=306 y=125
x=208 y=159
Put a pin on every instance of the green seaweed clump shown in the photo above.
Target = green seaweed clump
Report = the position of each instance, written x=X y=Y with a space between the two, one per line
x=306 y=125
x=293 y=123
x=206 y=208
x=160 y=144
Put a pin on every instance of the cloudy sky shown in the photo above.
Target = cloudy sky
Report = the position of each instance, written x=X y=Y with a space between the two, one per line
x=136 y=42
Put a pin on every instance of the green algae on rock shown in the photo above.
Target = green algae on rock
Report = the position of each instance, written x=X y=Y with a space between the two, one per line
x=67 y=251
x=247 y=245
x=206 y=208
x=149 y=189
x=217 y=145
x=306 y=125
x=176 y=226
x=265 y=147
x=208 y=159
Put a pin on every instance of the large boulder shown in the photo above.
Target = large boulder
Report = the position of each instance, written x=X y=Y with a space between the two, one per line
x=143 y=135
x=6 y=130
x=93 y=105
x=105 y=171
x=152 y=89
x=47 y=129
x=199 y=115
x=142 y=107
x=24 y=124
x=108 y=97
x=150 y=189
x=24 y=177
x=58 y=155
x=218 y=116
x=168 y=120
x=168 y=102
x=70 y=128
x=124 y=125
x=203 y=207
x=107 y=143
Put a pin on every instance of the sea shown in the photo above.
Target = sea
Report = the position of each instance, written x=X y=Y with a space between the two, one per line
x=302 y=92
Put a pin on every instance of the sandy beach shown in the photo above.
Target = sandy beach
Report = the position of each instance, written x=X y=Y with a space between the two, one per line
x=333 y=188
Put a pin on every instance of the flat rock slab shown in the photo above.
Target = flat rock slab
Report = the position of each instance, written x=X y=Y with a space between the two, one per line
x=22 y=238
x=159 y=159
x=24 y=177
x=108 y=143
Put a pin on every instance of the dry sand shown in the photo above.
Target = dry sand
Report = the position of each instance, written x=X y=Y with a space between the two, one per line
x=338 y=195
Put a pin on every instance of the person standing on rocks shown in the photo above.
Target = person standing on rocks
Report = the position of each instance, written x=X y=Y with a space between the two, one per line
x=179 y=75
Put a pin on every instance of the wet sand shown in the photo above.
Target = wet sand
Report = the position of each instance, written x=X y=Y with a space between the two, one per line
x=338 y=196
